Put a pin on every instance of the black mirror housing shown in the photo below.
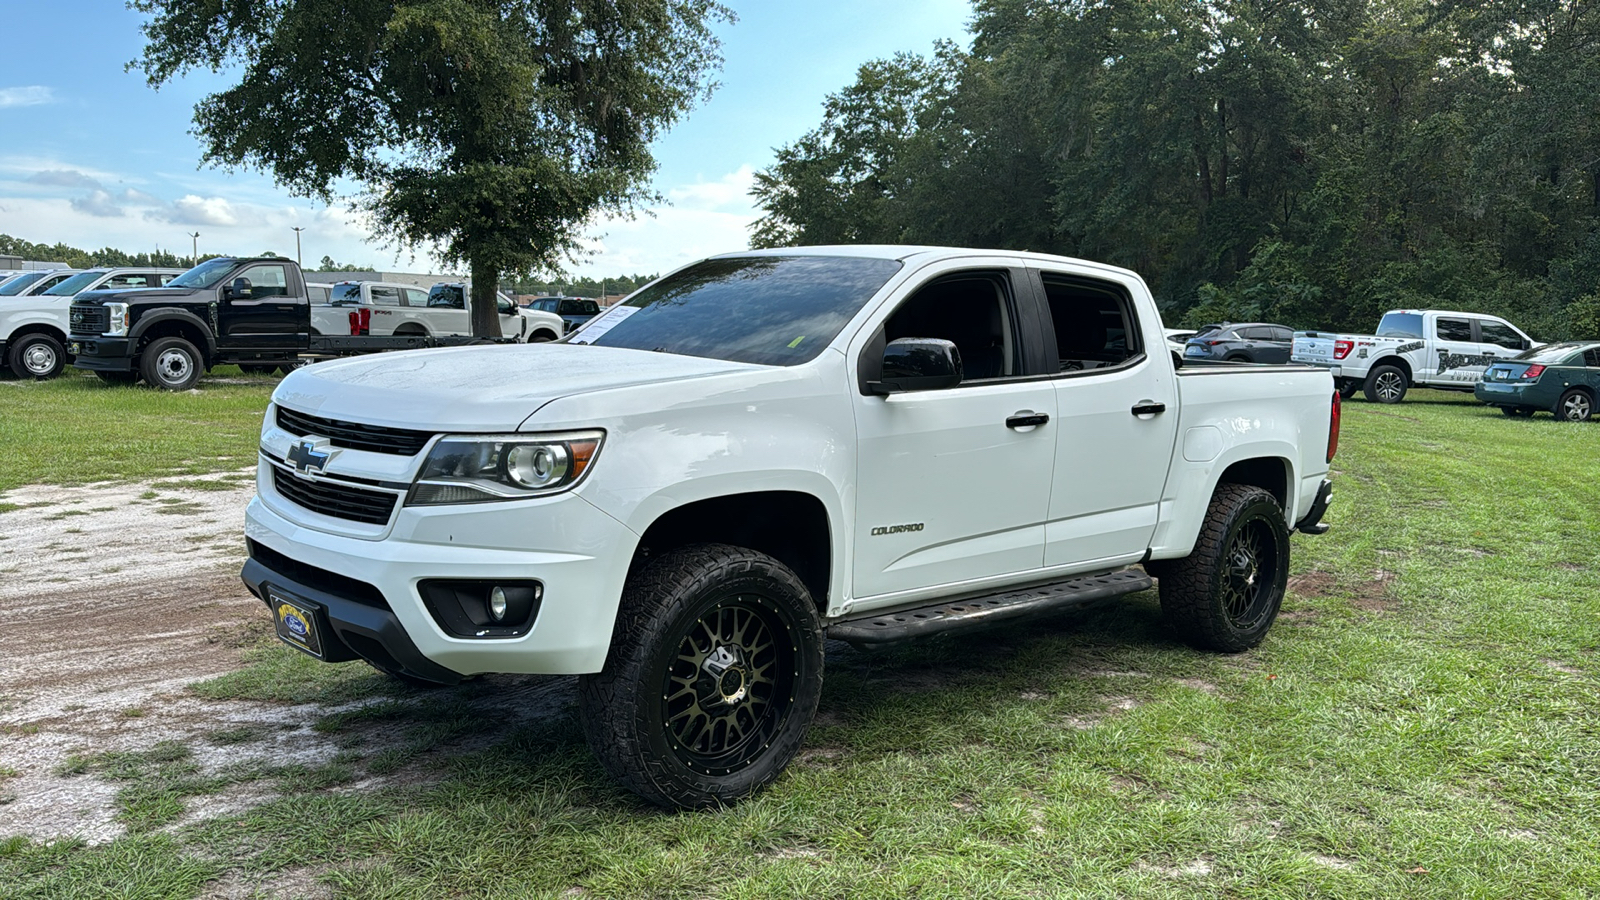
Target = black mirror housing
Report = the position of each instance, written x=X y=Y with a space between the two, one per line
x=918 y=364
x=238 y=289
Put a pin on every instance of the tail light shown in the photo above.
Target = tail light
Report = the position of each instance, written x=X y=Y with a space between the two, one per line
x=1214 y=343
x=1533 y=373
x=360 y=321
x=1341 y=349
x=1333 y=424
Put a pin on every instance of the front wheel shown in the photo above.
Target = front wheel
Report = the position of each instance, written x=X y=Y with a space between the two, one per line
x=1347 y=389
x=1225 y=594
x=713 y=677
x=1387 y=384
x=37 y=356
x=171 y=363
x=1574 y=406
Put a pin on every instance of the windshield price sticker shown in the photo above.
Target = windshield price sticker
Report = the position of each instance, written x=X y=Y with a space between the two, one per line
x=602 y=324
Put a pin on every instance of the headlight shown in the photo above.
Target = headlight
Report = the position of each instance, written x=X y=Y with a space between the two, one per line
x=117 y=323
x=469 y=468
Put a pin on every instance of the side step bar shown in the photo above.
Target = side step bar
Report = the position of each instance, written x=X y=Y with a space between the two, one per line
x=889 y=628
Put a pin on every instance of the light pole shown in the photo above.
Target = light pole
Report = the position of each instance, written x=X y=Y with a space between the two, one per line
x=194 y=255
x=297 y=230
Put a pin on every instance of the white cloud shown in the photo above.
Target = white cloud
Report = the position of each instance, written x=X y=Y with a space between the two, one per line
x=731 y=192
x=705 y=218
x=63 y=178
x=98 y=203
x=32 y=95
x=192 y=209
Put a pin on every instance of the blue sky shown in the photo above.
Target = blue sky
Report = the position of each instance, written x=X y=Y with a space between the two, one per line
x=89 y=155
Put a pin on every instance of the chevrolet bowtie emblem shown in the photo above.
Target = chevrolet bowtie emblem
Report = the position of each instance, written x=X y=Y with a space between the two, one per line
x=311 y=454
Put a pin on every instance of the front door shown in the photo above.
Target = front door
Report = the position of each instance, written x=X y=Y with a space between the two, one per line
x=1458 y=357
x=947 y=492
x=1118 y=417
x=264 y=315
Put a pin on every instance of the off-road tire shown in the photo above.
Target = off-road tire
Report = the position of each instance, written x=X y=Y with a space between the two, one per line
x=117 y=377
x=1387 y=384
x=1575 y=405
x=36 y=356
x=171 y=364
x=628 y=715
x=1196 y=591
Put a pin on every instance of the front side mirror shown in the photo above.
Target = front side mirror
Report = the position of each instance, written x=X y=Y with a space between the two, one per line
x=918 y=364
x=238 y=290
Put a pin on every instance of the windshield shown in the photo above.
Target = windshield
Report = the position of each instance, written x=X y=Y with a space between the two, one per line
x=20 y=283
x=1550 y=354
x=768 y=310
x=74 y=285
x=204 y=275
x=1400 y=325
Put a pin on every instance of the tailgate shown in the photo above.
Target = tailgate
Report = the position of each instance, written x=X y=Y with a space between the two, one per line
x=1317 y=350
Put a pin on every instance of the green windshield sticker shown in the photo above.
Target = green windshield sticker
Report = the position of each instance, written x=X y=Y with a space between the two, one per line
x=796 y=342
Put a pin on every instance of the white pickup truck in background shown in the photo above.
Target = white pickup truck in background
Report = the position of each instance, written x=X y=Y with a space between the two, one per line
x=765 y=449
x=383 y=309
x=1428 y=347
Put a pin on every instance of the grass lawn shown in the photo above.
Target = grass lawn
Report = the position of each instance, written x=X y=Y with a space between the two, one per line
x=75 y=429
x=1420 y=723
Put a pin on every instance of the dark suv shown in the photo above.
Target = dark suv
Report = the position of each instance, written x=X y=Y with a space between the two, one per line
x=1258 y=342
x=573 y=310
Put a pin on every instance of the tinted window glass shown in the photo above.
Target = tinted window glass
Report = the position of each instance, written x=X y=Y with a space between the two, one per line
x=447 y=296
x=75 y=284
x=970 y=311
x=1400 y=325
x=385 y=296
x=1591 y=358
x=1550 y=354
x=132 y=280
x=1093 y=326
x=345 y=294
x=770 y=310
x=1281 y=334
x=205 y=275
x=1454 y=330
x=1496 y=333
x=21 y=283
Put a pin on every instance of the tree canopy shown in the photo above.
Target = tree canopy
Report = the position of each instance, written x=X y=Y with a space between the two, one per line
x=1309 y=163
x=495 y=128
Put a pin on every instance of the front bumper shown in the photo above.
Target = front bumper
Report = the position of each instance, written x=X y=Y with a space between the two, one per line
x=1312 y=522
x=370 y=587
x=102 y=354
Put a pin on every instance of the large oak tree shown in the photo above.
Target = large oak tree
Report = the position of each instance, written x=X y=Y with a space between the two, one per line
x=495 y=128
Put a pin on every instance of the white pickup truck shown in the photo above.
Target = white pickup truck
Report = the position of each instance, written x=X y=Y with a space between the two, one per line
x=34 y=327
x=763 y=449
x=1431 y=347
x=384 y=309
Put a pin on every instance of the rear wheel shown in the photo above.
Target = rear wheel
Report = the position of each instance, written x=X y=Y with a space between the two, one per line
x=1574 y=406
x=1225 y=594
x=713 y=677
x=1387 y=384
x=1347 y=389
x=36 y=356
x=171 y=363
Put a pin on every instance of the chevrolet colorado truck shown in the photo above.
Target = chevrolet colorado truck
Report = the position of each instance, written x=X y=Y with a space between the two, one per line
x=380 y=308
x=255 y=313
x=1428 y=347
x=758 y=451
x=33 y=327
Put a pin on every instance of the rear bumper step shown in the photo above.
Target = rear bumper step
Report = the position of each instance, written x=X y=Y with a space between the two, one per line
x=949 y=615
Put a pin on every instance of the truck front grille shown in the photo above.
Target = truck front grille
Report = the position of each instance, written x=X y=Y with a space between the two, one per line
x=339 y=501
x=89 y=319
x=354 y=435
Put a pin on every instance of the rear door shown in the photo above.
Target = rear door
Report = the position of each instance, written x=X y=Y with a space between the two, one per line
x=1117 y=419
x=1456 y=356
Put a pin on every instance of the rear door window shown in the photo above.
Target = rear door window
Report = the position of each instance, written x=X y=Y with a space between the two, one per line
x=1499 y=333
x=385 y=296
x=415 y=297
x=1093 y=323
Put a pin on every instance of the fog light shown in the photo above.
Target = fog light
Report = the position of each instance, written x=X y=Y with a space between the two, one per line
x=497 y=603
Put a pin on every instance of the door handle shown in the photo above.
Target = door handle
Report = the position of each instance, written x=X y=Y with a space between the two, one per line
x=1027 y=419
x=1149 y=408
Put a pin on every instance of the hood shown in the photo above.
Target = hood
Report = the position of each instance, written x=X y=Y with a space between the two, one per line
x=134 y=295
x=478 y=389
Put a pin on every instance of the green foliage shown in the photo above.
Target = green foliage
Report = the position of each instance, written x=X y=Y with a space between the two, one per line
x=494 y=128
x=584 y=287
x=84 y=259
x=1313 y=164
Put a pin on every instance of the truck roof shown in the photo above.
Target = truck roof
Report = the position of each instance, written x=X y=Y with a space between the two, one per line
x=907 y=252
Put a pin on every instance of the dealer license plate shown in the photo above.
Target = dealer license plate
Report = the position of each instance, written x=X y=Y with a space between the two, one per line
x=296 y=621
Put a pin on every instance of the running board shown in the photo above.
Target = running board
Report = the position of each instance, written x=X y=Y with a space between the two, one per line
x=889 y=628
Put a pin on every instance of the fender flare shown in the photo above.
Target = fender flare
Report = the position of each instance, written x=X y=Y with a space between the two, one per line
x=155 y=317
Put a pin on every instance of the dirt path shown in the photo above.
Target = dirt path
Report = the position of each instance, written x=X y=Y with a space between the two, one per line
x=113 y=599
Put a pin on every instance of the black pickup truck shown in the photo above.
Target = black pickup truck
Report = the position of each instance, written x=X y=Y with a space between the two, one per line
x=250 y=312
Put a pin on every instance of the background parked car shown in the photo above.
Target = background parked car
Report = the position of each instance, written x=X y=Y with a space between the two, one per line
x=1561 y=378
x=574 y=311
x=1258 y=342
x=1179 y=337
x=34 y=325
x=28 y=284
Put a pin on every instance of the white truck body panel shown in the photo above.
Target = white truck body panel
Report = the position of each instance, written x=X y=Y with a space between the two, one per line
x=1096 y=488
x=402 y=308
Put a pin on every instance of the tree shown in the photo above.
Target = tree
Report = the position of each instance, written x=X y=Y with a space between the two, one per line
x=495 y=128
